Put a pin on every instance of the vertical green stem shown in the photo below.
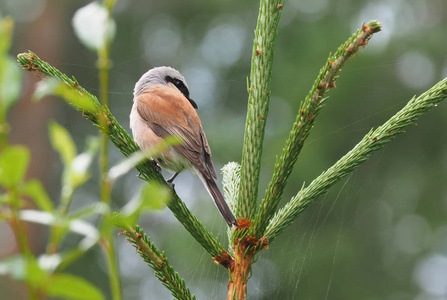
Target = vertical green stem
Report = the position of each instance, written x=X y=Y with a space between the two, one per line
x=107 y=241
x=108 y=246
x=6 y=30
x=104 y=65
x=4 y=128
x=20 y=233
x=258 y=102
x=56 y=233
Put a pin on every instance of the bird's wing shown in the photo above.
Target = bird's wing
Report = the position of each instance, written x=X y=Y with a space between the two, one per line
x=167 y=112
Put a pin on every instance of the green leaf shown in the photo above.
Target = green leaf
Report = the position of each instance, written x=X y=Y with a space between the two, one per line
x=74 y=225
x=153 y=196
x=13 y=165
x=79 y=170
x=95 y=208
x=68 y=286
x=52 y=86
x=59 y=285
x=35 y=275
x=6 y=30
x=10 y=75
x=62 y=142
x=79 y=173
x=23 y=268
x=11 y=82
x=34 y=189
x=74 y=97
x=126 y=165
x=92 y=25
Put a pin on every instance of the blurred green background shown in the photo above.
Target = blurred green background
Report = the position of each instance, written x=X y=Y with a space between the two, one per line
x=379 y=234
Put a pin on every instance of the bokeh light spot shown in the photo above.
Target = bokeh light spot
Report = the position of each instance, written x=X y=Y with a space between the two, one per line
x=415 y=70
x=161 y=40
x=431 y=275
x=223 y=44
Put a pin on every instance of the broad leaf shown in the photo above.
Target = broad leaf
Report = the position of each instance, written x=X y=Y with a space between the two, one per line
x=153 y=196
x=34 y=189
x=68 y=286
x=52 y=86
x=62 y=142
x=24 y=269
x=11 y=82
x=13 y=165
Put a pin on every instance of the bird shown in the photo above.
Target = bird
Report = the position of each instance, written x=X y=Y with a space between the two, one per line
x=162 y=107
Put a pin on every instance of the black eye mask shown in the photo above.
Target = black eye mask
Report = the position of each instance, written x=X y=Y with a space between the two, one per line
x=182 y=88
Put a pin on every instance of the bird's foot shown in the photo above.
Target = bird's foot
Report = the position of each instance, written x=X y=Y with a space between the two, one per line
x=170 y=181
x=171 y=184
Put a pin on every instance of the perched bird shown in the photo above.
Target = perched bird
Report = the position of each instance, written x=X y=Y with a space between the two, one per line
x=162 y=107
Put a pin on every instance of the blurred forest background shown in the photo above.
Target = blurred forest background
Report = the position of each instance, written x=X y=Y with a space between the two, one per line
x=379 y=234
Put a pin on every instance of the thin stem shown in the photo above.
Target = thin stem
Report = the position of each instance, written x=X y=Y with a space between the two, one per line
x=115 y=284
x=107 y=244
x=372 y=142
x=104 y=65
x=4 y=128
x=6 y=30
x=56 y=232
x=20 y=233
x=107 y=241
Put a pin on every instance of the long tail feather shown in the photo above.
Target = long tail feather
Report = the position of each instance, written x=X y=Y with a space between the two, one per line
x=220 y=202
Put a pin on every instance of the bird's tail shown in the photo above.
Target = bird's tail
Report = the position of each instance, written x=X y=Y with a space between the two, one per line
x=220 y=202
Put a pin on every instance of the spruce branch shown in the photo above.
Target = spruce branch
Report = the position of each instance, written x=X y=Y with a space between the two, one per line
x=107 y=124
x=373 y=141
x=157 y=261
x=305 y=119
x=230 y=182
x=258 y=101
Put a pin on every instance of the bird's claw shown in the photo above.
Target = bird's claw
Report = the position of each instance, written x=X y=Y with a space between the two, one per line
x=171 y=184
x=170 y=181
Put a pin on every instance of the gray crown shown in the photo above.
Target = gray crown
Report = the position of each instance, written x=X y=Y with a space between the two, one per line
x=156 y=76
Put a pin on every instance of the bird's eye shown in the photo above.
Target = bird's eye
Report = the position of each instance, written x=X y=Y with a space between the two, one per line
x=179 y=84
